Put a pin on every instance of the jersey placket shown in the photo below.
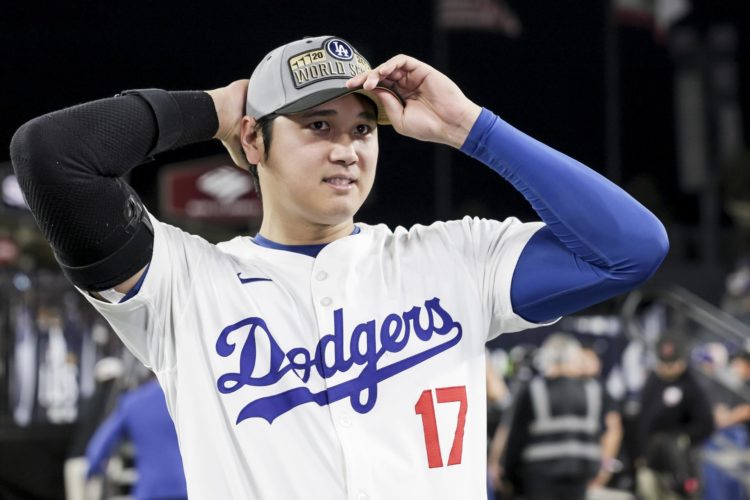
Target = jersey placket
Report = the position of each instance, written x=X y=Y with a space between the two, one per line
x=326 y=285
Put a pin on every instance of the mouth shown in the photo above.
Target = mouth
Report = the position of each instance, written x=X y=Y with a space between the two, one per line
x=340 y=182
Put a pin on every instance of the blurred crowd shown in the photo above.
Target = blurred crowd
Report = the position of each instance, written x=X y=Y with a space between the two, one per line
x=588 y=413
x=581 y=409
x=68 y=370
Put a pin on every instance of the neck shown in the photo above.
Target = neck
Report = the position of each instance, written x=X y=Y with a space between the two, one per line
x=299 y=232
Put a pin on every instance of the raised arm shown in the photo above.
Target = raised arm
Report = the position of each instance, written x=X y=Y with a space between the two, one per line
x=70 y=162
x=598 y=241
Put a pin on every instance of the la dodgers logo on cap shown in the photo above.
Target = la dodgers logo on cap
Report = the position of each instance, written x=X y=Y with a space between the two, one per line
x=339 y=49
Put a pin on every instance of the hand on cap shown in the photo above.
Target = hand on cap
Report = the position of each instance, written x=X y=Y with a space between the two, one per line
x=230 y=109
x=434 y=107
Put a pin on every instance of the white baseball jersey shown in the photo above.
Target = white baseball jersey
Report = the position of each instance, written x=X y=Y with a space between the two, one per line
x=356 y=374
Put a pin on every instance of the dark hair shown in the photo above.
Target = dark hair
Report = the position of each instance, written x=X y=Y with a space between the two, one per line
x=264 y=125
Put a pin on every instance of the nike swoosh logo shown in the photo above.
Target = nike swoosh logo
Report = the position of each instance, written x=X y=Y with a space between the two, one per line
x=251 y=280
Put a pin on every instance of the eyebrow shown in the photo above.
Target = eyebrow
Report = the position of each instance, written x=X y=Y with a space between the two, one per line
x=368 y=115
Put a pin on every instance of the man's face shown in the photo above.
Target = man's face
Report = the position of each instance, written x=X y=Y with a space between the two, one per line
x=321 y=164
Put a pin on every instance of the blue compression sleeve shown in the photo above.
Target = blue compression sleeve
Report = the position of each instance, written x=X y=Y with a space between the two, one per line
x=598 y=241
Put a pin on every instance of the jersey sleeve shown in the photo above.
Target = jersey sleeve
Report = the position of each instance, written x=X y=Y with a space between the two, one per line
x=492 y=248
x=147 y=322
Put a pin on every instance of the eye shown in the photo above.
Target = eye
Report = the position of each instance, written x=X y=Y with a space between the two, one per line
x=363 y=129
x=319 y=125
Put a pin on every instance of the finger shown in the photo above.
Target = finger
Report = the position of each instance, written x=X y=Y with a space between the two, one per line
x=408 y=72
x=398 y=61
x=392 y=106
x=390 y=85
x=402 y=63
x=372 y=80
x=380 y=75
x=394 y=69
x=359 y=80
x=356 y=81
x=395 y=76
x=405 y=70
x=369 y=79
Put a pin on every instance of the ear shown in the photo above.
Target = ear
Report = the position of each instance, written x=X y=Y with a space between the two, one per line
x=252 y=142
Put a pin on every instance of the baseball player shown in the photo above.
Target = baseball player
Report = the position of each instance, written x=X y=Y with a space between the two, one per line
x=324 y=358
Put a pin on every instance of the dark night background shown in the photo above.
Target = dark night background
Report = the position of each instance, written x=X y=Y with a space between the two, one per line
x=549 y=82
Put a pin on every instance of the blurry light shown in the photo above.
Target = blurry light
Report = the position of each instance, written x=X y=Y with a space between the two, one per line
x=21 y=282
x=12 y=194
x=99 y=334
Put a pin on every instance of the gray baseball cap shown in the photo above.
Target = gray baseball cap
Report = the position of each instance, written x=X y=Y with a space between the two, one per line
x=306 y=73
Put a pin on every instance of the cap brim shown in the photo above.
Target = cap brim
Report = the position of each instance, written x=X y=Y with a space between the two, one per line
x=327 y=95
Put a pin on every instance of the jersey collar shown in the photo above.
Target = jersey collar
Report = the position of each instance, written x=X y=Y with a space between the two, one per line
x=309 y=250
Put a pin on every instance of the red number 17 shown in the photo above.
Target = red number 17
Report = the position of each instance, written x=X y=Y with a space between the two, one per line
x=426 y=408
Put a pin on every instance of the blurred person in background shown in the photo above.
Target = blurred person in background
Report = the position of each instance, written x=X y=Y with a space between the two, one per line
x=142 y=417
x=498 y=397
x=611 y=422
x=675 y=419
x=497 y=391
x=108 y=372
x=553 y=449
x=736 y=300
x=522 y=370
x=737 y=414
x=727 y=454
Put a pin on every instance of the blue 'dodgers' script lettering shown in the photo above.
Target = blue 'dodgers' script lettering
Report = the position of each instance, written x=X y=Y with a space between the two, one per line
x=368 y=343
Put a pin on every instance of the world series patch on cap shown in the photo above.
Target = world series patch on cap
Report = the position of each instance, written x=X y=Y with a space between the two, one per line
x=306 y=73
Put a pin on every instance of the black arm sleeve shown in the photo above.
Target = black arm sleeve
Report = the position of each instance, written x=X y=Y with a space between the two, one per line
x=69 y=165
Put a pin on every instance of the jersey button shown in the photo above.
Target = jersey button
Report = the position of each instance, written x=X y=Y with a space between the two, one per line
x=326 y=301
x=362 y=496
x=322 y=275
x=345 y=421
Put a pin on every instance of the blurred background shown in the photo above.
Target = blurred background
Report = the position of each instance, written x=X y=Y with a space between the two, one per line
x=653 y=94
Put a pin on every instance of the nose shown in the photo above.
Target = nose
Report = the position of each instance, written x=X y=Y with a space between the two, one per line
x=343 y=151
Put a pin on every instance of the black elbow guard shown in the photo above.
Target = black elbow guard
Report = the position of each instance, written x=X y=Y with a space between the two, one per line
x=136 y=234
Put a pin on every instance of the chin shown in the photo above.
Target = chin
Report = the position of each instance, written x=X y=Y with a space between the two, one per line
x=336 y=219
x=340 y=209
x=336 y=215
